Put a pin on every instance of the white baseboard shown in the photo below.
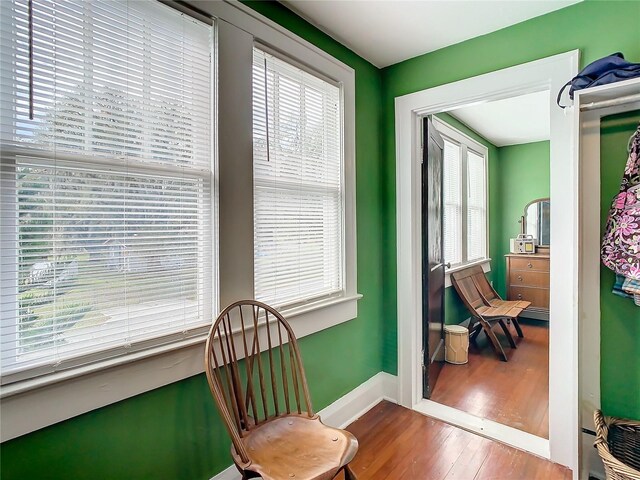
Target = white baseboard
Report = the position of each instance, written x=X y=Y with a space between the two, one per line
x=350 y=407
x=346 y=409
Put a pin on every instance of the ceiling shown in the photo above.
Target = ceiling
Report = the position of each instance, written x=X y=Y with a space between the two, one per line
x=390 y=31
x=512 y=121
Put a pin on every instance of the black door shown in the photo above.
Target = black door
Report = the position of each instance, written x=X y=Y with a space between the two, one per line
x=432 y=258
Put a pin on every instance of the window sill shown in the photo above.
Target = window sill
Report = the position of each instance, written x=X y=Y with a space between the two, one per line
x=76 y=391
x=485 y=263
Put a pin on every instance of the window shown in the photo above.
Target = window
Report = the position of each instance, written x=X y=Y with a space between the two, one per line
x=127 y=211
x=298 y=197
x=107 y=232
x=465 y=197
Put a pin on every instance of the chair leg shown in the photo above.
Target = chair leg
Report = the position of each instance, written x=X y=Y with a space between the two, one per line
x=516 y=324
x=476 y=332
x=247 y=474
x=348 y=473
x=507 y=333
x=494 y=341
x=472 y=320
x=474 y=329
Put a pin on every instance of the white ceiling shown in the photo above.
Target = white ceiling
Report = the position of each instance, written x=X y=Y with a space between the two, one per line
x=390 y=31
x=512 y=121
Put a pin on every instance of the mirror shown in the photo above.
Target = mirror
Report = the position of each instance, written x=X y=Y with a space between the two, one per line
x=536 y=220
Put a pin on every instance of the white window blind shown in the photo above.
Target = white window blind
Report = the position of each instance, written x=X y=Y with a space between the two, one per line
x=476 y=207
x=298 y=196
x=107 y=232
x=465 y=197
x=452 y=179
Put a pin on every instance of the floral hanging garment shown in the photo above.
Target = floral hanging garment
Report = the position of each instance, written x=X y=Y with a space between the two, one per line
x=621 y=242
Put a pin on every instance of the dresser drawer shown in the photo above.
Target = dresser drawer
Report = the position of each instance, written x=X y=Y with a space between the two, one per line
x=539 y=297
x=522 y=278
x=529 y=264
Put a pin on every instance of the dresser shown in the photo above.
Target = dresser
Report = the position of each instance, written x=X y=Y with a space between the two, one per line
x=528 y=279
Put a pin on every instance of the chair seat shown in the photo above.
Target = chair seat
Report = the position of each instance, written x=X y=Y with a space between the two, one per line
x=515 y=303
x=299 y=448
x=505 y=310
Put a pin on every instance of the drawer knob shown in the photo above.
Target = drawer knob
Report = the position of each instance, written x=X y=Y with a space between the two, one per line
x=529 y=265
x=520 y=277
x=519 y=296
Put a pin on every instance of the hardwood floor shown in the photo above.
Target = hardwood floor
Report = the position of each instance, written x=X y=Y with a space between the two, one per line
x=399 y=444
x=514 y=393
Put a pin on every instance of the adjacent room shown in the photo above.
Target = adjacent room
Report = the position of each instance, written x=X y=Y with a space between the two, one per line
x=496 y=187
x=318 y=239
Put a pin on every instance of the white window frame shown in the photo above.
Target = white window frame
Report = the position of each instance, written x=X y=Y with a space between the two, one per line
x=467 y=143
x=342 y=291
x=79 y=390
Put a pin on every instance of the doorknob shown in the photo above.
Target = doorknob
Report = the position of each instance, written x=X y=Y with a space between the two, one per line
x=435 y=267
x=448 y=265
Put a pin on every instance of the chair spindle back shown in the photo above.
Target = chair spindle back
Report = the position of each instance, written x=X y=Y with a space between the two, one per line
x=254 y=369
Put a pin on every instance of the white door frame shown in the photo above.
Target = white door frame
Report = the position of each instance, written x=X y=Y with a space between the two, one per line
x=589 y=157
x=546 y=74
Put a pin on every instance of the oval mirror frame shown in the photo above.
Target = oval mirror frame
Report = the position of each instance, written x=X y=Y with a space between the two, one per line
x=536 y=220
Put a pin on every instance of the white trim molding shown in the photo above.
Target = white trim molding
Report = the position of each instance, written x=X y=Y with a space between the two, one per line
x=588 y=158
x=485 y=263
x=485 y=428
x=346 y=409
x=545 y=74
x=466 y=144
x=76 y=391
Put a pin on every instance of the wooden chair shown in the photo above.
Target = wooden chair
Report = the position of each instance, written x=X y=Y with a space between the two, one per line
x=510 y=308
x=264 y=400
x=483 y=315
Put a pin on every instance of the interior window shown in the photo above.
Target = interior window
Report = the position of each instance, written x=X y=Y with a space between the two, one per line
x=476 y=206
x=452 y=183
x=465 y=199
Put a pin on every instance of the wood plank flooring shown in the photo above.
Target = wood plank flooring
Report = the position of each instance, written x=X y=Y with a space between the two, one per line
x=514 y=393
x=399 y=444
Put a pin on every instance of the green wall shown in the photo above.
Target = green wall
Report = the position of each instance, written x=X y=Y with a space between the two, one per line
x=174 y=432
x=523 y=175
x=620 y=322
x=597 y=29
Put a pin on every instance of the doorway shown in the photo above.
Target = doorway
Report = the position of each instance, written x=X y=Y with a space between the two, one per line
x=546 y=74
x=496 y=189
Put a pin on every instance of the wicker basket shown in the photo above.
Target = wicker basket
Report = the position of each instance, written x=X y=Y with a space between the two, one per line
x=618 y=444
